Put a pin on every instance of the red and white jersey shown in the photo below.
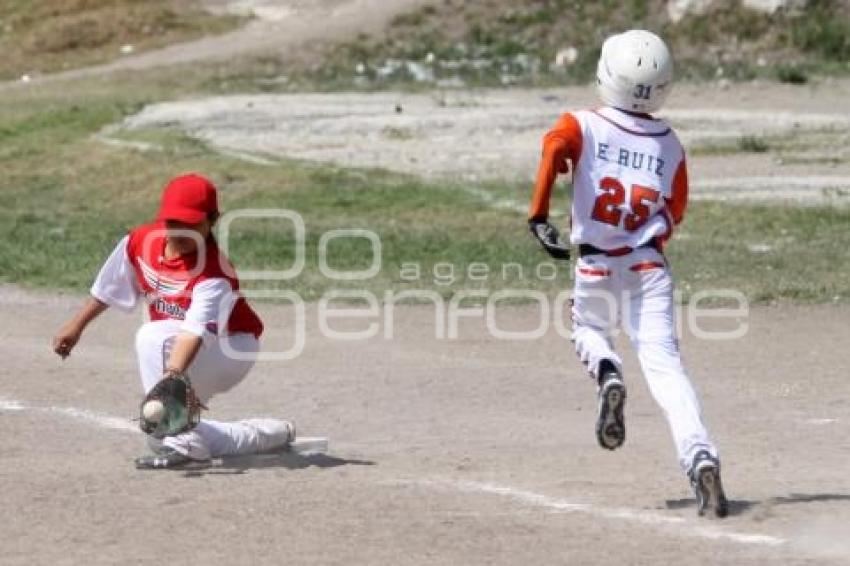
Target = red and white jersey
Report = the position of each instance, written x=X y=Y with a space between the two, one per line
x=198 y=289
x=630 y=181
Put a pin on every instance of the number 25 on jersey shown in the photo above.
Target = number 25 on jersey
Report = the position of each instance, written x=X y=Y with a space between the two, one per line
x=608 y=207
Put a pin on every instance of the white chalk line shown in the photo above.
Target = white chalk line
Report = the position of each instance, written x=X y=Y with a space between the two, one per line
x=682 y=526
x=518 y=495
x=304 y=445
x=90 y=417
x=818 y=422
x=10 y=405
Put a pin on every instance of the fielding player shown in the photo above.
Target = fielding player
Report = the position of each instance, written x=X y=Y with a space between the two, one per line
x=194 y=307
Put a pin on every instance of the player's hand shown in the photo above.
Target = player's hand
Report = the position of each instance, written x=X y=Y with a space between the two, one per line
x=548 y=237
x=66 y=339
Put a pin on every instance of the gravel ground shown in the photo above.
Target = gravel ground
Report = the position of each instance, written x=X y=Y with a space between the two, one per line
x=492 y=135
x=465 y=451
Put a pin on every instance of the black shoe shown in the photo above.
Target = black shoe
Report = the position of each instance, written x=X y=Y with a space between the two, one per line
x=705 y=479
x=166 y=458
x=610 y=425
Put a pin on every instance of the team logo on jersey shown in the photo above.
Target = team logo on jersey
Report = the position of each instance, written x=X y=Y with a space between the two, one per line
x=171 y=310
x=159 y=283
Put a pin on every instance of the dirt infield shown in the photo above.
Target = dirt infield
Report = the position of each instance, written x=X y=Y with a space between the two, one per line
x=462 y=451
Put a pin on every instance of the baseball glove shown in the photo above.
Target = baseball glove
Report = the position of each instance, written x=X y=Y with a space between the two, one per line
x=549 y=238
x=180 y=409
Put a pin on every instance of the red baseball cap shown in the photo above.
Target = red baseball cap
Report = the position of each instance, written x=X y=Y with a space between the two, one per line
x=188 y=199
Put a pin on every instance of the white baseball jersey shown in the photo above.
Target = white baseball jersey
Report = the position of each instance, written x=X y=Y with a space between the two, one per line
x=629 y=177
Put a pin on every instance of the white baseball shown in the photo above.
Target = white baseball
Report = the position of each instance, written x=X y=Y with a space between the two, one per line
x=153 y=411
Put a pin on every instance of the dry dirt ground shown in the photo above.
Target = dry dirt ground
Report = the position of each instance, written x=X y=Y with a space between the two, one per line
x=466 y=451
x=495 y=135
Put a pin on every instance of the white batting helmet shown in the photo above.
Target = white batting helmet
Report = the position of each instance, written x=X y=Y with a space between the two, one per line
x=635 y=71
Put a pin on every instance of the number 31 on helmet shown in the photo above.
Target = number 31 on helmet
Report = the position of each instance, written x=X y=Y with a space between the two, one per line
x=635 y=71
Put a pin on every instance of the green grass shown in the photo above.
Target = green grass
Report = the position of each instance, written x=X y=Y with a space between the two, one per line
x=498 y=42
x=770 y=253
x=66 y=198
x=824 y=30
x=791 y=75
x=753 y=144
x=743 y=144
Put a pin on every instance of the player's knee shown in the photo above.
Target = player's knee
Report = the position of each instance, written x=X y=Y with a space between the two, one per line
x=153 y=335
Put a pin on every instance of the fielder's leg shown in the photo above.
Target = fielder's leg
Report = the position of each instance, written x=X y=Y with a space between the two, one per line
x=212 y=439
x=153 y=345
x=213 y=371
x=251 y=436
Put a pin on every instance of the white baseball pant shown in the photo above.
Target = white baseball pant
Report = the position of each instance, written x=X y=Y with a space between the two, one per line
x=212 y=372
x=637 y=290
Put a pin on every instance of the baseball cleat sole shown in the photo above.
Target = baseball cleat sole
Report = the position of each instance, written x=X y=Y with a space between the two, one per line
x=709 y=491
x=610 y=424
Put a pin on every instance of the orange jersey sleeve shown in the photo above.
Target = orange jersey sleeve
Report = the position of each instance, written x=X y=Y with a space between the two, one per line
x=563 y=142
x=678 y=201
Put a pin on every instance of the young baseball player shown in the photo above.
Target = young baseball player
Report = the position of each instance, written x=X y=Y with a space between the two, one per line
x=630 y=186
x=197 y=321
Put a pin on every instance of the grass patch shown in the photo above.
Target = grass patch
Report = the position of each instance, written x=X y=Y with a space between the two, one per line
x=821 y=145
x=743 y=144
x=791 y=75
x=753 y=144
x=770 y=253
x=823 y=30
x=65 y=199
x=500 y=42
x=54 y=35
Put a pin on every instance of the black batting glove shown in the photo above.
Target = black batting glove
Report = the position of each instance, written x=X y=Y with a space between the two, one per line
x=548 y=237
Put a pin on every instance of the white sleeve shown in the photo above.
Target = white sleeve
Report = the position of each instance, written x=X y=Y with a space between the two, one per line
x=116 y=283
x=212 y=301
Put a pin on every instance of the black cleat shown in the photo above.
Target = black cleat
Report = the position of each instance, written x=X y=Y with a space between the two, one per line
x=610 y=425
x=166 y=458
x=705 y=479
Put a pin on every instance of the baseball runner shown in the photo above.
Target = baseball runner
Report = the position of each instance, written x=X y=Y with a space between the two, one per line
x=194 y=307
x=630 y=186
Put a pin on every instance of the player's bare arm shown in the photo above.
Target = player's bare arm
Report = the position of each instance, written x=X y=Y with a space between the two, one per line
x=70 y=333
x=186 y=347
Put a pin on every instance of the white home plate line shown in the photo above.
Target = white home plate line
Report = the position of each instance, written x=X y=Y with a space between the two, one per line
x=103 y=421
x=682 y=526
x=10 y=405
x=820 y=421
x=303 y=445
